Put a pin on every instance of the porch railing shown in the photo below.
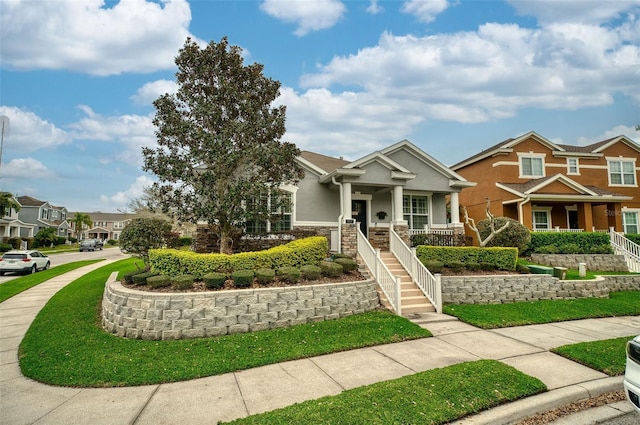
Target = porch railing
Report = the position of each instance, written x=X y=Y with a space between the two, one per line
x=559 y=229
x=389 y=283
x=630 y=250
x=430 y=285
x=430 y=232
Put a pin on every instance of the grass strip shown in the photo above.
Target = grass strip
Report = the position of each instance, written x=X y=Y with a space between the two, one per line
x=13 y=287
x=626 y=303
x=66 y=345
x=435 y=396
x=608 y=356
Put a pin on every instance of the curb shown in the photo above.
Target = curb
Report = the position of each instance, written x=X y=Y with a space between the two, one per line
x=530 y=406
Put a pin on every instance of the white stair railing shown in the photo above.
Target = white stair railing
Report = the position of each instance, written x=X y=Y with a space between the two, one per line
x=629 y=249
x=389 y=283
x=429 y=284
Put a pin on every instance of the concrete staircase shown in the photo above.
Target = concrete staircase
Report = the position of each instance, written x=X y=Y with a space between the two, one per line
x=413 y=300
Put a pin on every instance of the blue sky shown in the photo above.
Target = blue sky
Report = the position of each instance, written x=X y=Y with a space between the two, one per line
x=454 y=77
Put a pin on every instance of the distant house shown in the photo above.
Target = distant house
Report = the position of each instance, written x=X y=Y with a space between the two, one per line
x=12 y=227
x=400 y=185
x=550 y=186
x=105 y=226
x=41 y=214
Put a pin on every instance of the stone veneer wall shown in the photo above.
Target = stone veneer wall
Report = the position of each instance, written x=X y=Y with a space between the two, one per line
x=599 y=262
x=500 y=289
x=160 y=315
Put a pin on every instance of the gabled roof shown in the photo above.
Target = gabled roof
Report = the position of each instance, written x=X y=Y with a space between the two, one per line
x=506 y=146
x=533 y=189
x=323 y=162
x=28 y=201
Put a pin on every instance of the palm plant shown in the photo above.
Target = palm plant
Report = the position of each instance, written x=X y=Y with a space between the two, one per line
x=80 y=220
x=7 y=202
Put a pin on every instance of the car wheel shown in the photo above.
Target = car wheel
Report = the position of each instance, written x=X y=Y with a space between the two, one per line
x=1 y=273
x=46 y=266
x=33 y=269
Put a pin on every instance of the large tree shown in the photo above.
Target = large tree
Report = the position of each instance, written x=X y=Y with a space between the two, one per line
x=80 y=220
x=219 y=140
x=7 y=202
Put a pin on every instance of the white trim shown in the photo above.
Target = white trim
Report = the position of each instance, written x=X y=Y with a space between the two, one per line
x=621 y=160
x=531 y=155
x=577 y=165
x=546 y=210
x=631 y=211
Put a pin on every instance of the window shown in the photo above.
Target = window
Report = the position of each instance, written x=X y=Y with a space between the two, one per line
x=531 y=166
x=44 y=214
x=415 y=210
x=280 y=207
x=630 y=222
x=118 y=225
x=541 y=219
x=572 y=166
x=622 y=172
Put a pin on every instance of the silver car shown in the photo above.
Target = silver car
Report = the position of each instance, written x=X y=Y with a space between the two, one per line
x=29 y=261
x=632 y=373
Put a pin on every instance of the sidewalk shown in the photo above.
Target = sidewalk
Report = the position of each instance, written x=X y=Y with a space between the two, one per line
x=234 y=395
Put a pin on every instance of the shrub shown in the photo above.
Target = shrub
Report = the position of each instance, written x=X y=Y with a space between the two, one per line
x=348 y=264
x=523 y=269
x=455 y=265
x=585 y=241
x=265 y=276
x=633 y=237
x=141 y=278
x=331 y=268
x=502 y=258
x=159 y=281
x=473 y=266
x=515 y=235
x=128 y=278
x=183 y=281
x=143 y=234
x=547 y=249
x=186 y=241
x=486 y=266
x=434 y=266
x=4 y=247
x=310 y=272
x=214 y=280
x=570 y=248
x=242 y=278
x=289 y=274
x=112 y=242
x=601 y=249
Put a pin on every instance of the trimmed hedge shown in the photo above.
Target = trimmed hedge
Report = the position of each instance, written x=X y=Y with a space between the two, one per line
x=183 y=281
x=265 y=276
x=158 y=281
x=499 y=258
x=569 y=243
x=309 y=272
x=296 y=253
x=348 y=264
x=633 y=237
x=214 y=280
x=141 y=278
x=242 y=278
x=331 y=268
x=289 y=274
x=128 y=278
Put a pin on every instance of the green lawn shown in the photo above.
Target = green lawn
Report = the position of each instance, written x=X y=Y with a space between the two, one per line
x=13 y=287
x=435 y=396
x=66 y=345
x=547 y=311
x=607 y=356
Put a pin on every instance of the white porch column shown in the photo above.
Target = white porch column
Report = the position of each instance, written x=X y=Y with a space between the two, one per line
x=455 y=209
x=346 y=201
x=397 y=204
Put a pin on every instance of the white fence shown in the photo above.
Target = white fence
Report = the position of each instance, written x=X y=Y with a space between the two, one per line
x=558 y=229
x=389 y=283
x=630 y=250
x=429 y=284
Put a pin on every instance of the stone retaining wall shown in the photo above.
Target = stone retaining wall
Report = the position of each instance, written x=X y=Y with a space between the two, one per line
x=500 y=289
x=155 y=315
x=599 y=262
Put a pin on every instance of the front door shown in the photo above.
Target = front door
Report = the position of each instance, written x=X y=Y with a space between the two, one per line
x=359 y=213
x=573 y=219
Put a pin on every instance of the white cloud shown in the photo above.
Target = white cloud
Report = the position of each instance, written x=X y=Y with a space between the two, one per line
x=425 y=11
x=132 y=132
x=26 y=168
x=618 y=130
x=149 y=92
x=120 y=200
x=29 y=133
x=86 y=36
x=374 y=8
x=577 y=11
x=309 y=15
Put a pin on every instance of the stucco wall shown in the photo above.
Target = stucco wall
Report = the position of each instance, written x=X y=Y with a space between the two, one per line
x=160 y=316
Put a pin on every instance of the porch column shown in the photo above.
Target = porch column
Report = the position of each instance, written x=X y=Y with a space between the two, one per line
x=398 y=217
x=346 y=201
x=525 y=215
x=585 y=216
x=455 y=209
x=614 y=216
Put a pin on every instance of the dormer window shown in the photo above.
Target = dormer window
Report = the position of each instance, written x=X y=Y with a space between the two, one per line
x=531 y=165
x=572 y=166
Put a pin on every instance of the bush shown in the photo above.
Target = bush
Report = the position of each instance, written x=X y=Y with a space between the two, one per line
x=434 y=266
x=501 y=258
x=547 y=249
x=265 y=276
x=586 y=241
x=330 y=268
x=128 y=278
x=183 y=281
x=455 y=265
x=110 y=242
x=143 y=234
x=474 y=266
x=289 y=274
x=515 y=235
x=141 y=278
x=4 y=247
x=310 y=272
x=487 y=266
x=186 y=241
x=570 y=248
x=159 y=281
x=242 y=278
x=522 y=269
x=633 y=237
x=348 y=264
x=214 y=280
x=601 y=249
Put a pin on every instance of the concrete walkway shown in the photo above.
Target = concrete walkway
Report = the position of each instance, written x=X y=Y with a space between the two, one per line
x=234 y=395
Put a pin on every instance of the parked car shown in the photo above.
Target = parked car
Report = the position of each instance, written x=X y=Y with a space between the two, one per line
x=91 y=245
x=21 y=261
x=632 y=373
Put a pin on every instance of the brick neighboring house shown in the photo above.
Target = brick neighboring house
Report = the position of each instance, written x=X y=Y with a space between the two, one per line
x=41 y=214
x=105 y=226
x=549 y=186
